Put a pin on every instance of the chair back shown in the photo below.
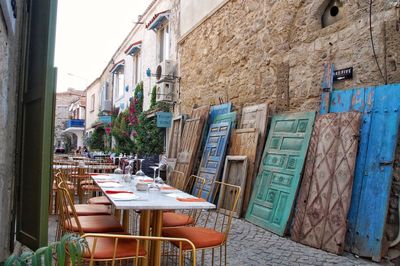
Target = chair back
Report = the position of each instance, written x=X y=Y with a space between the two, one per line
x=139 y=249
x=193 y=182
x=226 y=197
x=67 y=211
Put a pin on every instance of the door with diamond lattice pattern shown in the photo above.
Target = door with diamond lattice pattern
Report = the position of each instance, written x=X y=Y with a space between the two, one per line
x=324 y=197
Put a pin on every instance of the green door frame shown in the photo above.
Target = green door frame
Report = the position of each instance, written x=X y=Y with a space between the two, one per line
x=35 y=122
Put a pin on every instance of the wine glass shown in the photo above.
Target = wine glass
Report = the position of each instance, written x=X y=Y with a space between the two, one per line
x=140 y=172
x=159 y=180
x=153 y=186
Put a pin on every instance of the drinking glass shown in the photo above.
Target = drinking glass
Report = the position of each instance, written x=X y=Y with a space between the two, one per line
x=153 y=186
x=140 y=172
x=159 y=180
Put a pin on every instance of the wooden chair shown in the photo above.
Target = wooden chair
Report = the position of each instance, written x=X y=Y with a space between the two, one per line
x=126 y=248
x=69 y=221
x=215 y=225
x=185 y=217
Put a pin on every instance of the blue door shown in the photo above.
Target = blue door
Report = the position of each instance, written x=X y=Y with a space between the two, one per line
x=374 y=166
x=213 y=156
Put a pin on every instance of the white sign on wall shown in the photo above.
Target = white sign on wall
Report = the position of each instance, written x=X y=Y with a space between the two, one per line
x=8 y=8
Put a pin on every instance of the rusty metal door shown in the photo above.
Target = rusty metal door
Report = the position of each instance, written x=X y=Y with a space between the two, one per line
x=213 y=155
x=245 y=142
x=374 y=166
x=191 y=137
x=279 y=176
x=325 y=192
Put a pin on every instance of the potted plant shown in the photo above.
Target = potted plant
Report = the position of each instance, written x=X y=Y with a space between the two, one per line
x=44 y=255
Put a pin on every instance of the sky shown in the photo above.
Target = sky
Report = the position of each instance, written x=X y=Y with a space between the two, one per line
x=88 y=34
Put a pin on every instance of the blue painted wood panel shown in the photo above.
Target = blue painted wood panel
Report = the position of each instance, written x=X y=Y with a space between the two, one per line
x=374 y=166
x=213 y=156
x=216 y=110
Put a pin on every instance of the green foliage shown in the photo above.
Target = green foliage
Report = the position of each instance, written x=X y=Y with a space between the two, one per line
x=121 y=131
x=138 y=98
x=44 y=256
x=149 y=138
x=97 y=139
x=153 y=98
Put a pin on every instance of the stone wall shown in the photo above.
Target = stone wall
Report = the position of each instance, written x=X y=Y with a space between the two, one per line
x=252 y=51
x=9 y=70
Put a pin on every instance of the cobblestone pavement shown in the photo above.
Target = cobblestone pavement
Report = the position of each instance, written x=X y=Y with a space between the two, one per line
x=251 y=245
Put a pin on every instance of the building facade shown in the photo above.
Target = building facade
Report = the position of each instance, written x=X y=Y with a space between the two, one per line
x=63 y=114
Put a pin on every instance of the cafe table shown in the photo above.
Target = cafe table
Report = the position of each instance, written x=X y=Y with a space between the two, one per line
x=150 y=203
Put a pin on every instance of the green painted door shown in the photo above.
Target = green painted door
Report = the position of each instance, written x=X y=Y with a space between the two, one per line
x=280 y=171
x=228 y=118
x=35 y=121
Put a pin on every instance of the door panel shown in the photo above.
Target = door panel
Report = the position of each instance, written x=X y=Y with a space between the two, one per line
x=235 y=173
x=244 y=142
x=35 y=125
x=256 y=116
x=213 y=155
x=175 y=136
x=279 y=176
x=325 y=192
x=191 y=137
x=373 y=174
x=216 y=110
x=228 y=117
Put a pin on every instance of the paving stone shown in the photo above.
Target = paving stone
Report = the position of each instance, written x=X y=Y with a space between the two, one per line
x=249 y=244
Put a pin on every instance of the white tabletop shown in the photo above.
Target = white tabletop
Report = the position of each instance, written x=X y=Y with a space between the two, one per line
x=151 y=200
x=92 y=166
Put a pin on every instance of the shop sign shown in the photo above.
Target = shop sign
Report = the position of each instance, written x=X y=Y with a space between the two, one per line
x=342 y=74
x=164 y=119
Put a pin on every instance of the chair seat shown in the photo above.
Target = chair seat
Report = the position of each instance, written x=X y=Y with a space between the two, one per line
x=99 y=200
x=86 y=182
x=174 y=219
x=90 y=187
x=105 y=247
x=94 y=224
x=201 y=237
x=90 y=209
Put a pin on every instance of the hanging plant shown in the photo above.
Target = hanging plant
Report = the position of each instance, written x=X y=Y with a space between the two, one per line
x=121 y=131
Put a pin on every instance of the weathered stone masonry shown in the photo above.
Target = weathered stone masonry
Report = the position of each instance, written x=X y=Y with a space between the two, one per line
x=252 y=51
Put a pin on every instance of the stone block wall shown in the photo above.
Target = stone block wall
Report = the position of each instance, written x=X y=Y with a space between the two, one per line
x=252 y=51
x=9 y=80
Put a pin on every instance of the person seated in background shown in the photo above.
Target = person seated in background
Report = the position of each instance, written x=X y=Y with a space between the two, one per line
x=78 y=151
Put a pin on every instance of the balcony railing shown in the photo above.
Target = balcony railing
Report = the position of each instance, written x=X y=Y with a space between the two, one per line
x=75 y=123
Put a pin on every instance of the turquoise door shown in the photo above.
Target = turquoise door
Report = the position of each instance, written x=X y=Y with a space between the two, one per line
x=280 y=171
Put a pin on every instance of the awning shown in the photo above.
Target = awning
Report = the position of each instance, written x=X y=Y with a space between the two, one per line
x=134 y=48
x=117 y=66
x=157 y=20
